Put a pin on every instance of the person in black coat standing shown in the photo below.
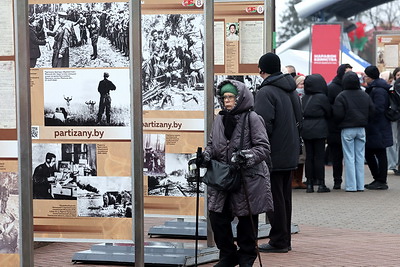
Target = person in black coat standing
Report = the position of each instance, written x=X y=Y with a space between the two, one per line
x=34 y=42
x=316 y=111
x=379 y=131
x=104 y=88
x=278 y=103
x=352 y=110
x=334 y=138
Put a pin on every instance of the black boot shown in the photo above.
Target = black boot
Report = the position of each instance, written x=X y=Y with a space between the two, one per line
x=310 y=187
x=322 y=187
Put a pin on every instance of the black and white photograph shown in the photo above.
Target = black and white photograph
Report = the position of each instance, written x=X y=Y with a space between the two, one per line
x=232 y=32
x=9 y=212
x=57 y=167
x=173 y=62
x=105 y=197
x=177 y=181
x=86 y=97
x=154 y=154
x=79 y=35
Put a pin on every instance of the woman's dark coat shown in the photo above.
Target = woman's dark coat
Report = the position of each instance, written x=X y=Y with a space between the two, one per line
x=379 y=129
x=256 y=172
x=316 y=108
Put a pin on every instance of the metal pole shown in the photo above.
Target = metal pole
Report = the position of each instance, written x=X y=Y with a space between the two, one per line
x=208 y=90
x=135 y=57
x=269 y=25
x=23 y=99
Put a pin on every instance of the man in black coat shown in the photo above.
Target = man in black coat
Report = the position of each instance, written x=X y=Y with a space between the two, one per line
x=334 y=139
x=279 y=104
x=104 y=88
x=379 y=129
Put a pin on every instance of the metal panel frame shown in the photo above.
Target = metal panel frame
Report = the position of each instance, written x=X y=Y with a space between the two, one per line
x=23 y=101
x=135 y=66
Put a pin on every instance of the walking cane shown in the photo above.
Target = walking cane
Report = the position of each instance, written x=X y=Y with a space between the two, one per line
x=194 y=164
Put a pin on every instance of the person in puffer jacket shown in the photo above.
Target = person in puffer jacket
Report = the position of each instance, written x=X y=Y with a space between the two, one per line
x=316 y=112
x=237 y=100
x=352 y=110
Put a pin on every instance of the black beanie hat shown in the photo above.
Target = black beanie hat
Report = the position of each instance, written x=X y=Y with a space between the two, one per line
x=342 y=69
x=269 y=63
x=372 y=72
x=350 y=81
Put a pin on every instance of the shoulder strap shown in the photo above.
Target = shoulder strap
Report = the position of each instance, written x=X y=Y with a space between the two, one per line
x=242 y=133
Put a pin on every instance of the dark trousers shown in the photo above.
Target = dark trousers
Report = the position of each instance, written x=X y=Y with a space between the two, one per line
x=281 y=218
x=315 y=166
x=337 y=161
x=377 y=163
x=223 y=236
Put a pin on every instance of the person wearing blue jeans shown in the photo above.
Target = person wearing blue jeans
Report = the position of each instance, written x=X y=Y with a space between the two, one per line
x=352 y=110
x=353 y=144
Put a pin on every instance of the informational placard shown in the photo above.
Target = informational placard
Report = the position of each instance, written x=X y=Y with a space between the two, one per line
x=387 y=44
x=325 y=49
x=219 y=42
x=7 y=95
x=251 y=41
x=6 y=28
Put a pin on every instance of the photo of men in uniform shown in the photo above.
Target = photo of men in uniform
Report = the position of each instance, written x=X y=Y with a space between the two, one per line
x=80 y=35
x=173 y=65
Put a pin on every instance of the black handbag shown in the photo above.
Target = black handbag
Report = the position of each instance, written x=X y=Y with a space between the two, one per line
x=223 y=176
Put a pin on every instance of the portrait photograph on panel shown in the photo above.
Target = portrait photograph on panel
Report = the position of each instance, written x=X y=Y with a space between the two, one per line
x=9 y=212
x=105 y=197
x=232 y=32
x=154 y=154
x=79 y=35
x=173 y=62
x=58 y=167
x=177 y=181
x=86 y=97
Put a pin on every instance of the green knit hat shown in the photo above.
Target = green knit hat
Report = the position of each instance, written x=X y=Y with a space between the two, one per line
x=229 y=88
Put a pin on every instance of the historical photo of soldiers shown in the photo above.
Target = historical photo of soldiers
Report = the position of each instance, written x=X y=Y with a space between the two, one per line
x=86 y=97
x=79 y=35
x=9 y=212
x=177 y=180
x=105 y=197
x=173 y=62
x=57 y=168
x=154 y=154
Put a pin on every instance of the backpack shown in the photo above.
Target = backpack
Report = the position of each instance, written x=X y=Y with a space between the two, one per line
x=393 y=111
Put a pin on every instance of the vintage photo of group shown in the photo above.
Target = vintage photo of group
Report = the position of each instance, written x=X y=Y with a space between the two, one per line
x=79 y=35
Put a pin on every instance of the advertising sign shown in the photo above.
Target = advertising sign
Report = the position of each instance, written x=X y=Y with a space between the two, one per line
x=325 y=49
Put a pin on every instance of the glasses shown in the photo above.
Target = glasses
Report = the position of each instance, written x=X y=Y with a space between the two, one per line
x=228 y=97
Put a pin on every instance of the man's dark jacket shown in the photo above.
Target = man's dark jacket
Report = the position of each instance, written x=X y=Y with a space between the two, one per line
x=279 y=104
x=379 y=129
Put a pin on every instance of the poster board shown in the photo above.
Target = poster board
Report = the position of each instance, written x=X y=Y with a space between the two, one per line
x=325 y=49
x=92 y=161
x=387 y=51
x=238 y=37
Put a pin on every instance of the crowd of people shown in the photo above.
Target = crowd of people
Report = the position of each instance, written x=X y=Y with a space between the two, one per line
x=345 y=115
